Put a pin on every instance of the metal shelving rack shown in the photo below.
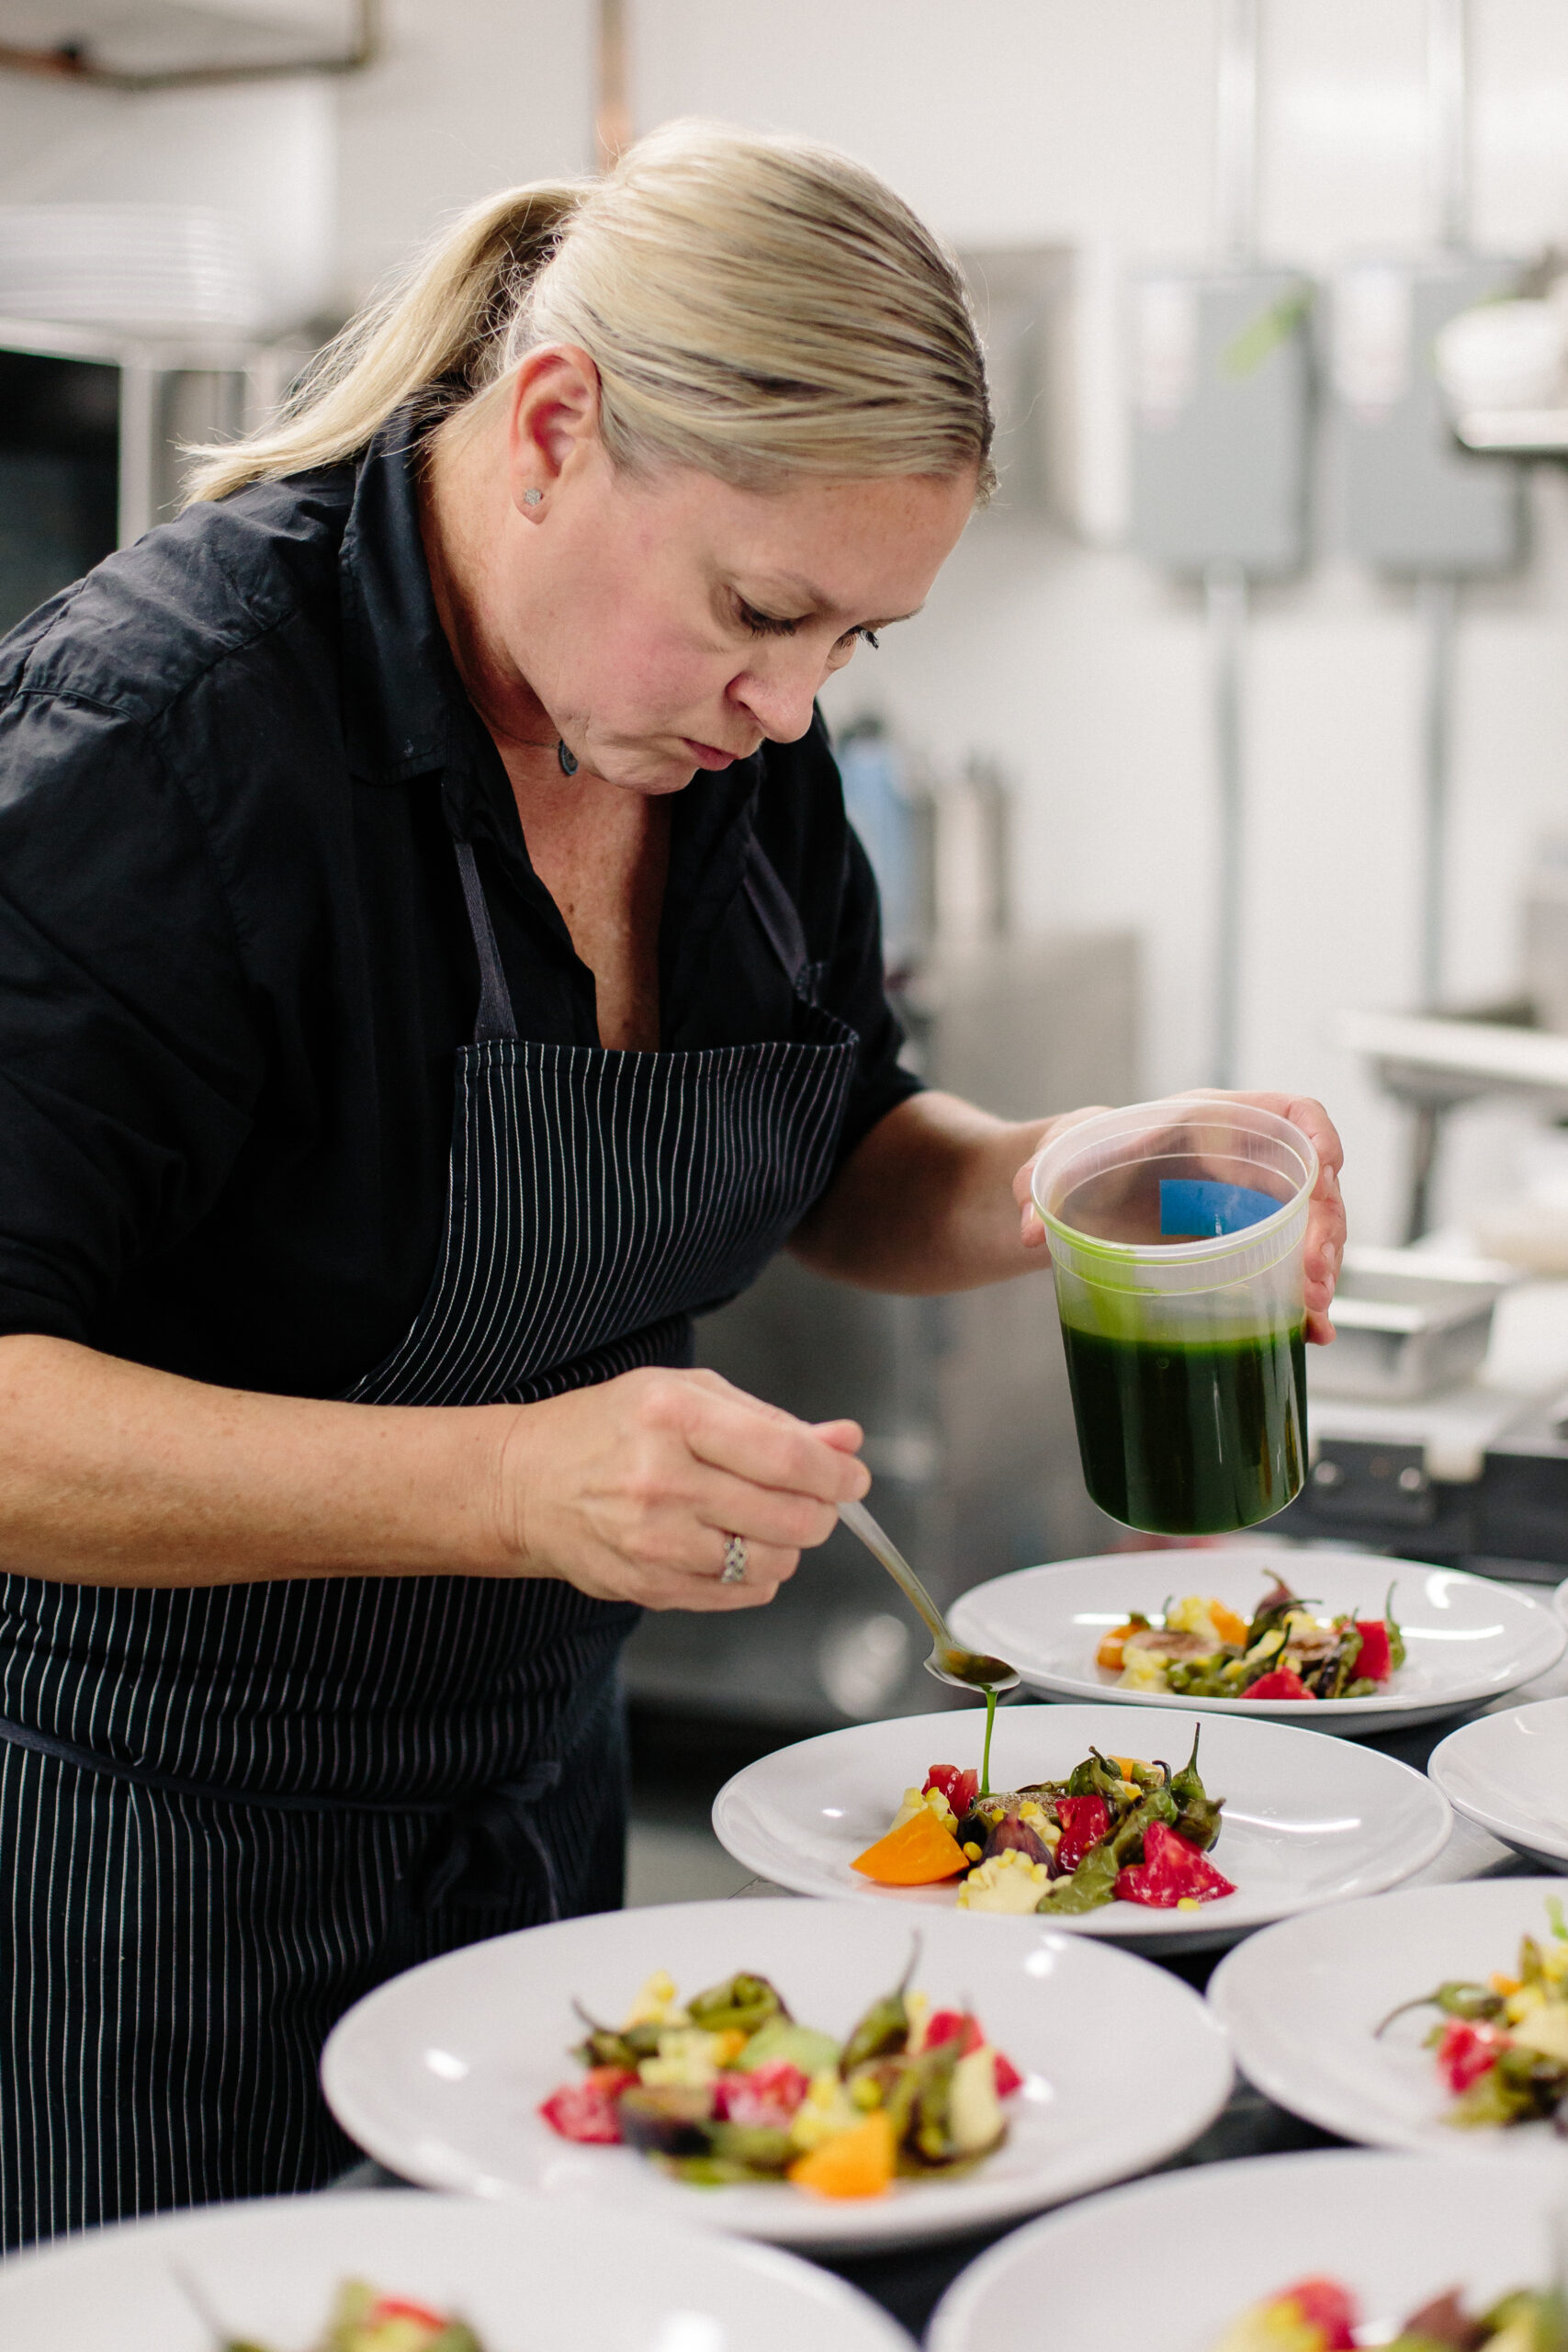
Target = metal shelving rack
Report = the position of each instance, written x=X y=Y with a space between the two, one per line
x=173 y=386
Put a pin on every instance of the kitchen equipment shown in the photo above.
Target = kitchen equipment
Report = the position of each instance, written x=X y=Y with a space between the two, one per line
x=160 y=268
x=439 y=2073
x=1468 y=1640
x=91 y=423
x=1408 y=1321
x=965 y=1669
x=1177 y=1230
x=1308 y=1820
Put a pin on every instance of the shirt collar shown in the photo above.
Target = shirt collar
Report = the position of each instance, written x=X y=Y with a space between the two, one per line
x=406 y=714
x=399 y=677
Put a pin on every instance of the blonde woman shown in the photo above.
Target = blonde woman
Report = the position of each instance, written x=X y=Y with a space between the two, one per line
x=433 y=964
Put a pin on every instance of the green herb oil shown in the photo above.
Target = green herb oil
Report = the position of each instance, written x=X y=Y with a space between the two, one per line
x=1189 y=1441
x=986 y=1751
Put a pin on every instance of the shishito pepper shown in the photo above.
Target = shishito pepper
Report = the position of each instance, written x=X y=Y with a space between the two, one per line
x=1197 y=1813
x=884 y=2028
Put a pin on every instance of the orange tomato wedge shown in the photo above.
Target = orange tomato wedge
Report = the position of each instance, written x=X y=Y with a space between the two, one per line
x=918 y=1853
x=857 y=2163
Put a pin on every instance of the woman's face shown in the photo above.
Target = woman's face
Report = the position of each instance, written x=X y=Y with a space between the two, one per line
x=669 y=624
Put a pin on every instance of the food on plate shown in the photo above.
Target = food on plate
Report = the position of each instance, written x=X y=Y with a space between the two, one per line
x=1322 y=2315
x=362 y=2319
x=1197 y=1649
x=729 y=2088
x=1117 y=1829
x=1502 y=2047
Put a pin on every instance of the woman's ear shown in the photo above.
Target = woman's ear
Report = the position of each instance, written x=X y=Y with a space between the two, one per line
x=553 y=424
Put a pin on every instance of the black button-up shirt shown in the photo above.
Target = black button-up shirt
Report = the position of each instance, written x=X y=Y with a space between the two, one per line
x=234 y=961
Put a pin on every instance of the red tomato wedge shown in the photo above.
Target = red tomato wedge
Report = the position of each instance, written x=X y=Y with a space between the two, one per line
x=959 y=1787
x=1376 y=1661
x=1084 y=1821
x=1283 y=1683
x=1171 y=1871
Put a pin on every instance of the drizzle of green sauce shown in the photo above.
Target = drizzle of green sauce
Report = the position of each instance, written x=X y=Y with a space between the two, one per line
x=986 y=1751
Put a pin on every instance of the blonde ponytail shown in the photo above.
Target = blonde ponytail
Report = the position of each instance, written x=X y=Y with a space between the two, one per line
x=756 y=308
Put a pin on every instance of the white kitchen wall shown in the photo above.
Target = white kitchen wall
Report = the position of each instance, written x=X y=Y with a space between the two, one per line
x=1088 y=123
x=472 y=95
x=1055 y=120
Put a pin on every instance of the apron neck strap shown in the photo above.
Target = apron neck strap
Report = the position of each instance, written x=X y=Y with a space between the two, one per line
x=495 y=1017
x=775 y=910
x=770 y=903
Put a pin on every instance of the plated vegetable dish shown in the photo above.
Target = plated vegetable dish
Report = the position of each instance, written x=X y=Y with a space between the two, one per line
x=1502 y=2047
x=729 y=2088
x=1322 y=2315
x=1197 y=1648
x=1116 y=1830
x=363 y=2319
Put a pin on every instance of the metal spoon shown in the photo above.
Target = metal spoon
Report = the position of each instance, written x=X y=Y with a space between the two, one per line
x=965 y=1669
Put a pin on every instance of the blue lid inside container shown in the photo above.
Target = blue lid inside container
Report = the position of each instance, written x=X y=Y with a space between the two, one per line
x=1197 y=1210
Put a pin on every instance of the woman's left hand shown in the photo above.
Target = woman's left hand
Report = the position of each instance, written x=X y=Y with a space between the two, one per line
x=1325 y=1223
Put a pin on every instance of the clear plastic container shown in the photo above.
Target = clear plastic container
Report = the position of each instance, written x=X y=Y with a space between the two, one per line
x=1177 y=1232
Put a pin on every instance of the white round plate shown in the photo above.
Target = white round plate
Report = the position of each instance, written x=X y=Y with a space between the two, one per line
x=1303 y=2001
x=439 y=2074
x=1509 y=1774
x=1469 y=1639
x=1560 y=1601
x=524 y=2278
x=1307 y=1820
x=1168 y=2264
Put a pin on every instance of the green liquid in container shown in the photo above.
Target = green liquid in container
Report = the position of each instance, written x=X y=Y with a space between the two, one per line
x=1190 y=1440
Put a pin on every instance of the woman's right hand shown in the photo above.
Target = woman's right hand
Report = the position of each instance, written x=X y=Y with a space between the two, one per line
x=631 y=1489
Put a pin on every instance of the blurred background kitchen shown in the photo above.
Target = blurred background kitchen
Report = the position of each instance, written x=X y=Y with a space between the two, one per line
x=1232 y=749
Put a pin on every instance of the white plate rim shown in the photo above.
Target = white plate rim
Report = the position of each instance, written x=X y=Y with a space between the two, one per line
x=772 y=2266
x=976 y=2202
x=966 y=1618
x=1440 y=1771
x=1259 y=1952
x=1159 y=1929
x=949 y=2328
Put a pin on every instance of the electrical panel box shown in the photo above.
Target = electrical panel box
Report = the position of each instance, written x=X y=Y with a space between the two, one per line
x=1411 y=500
x=1222 y=386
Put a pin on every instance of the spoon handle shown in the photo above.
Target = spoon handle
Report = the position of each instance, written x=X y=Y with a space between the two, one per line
x=859 y=1520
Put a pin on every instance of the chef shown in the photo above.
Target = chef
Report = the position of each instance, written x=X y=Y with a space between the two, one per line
x=434 y=966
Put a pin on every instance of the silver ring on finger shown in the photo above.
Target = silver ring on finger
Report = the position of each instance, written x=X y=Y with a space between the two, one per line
x=734 y=1568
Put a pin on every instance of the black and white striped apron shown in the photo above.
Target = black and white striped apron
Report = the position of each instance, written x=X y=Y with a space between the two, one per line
x=227 y=1813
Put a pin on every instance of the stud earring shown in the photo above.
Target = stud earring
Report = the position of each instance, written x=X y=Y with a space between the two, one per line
x=566 y=760
x=532 y=497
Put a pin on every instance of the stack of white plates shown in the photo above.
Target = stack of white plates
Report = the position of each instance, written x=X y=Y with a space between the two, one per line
x=156 y=266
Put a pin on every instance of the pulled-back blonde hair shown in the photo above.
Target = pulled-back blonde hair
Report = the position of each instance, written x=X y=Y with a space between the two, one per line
x=756 y=308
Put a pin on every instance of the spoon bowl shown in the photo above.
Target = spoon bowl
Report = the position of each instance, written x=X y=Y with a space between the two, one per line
x=949 y=1661
x=970 y=1669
